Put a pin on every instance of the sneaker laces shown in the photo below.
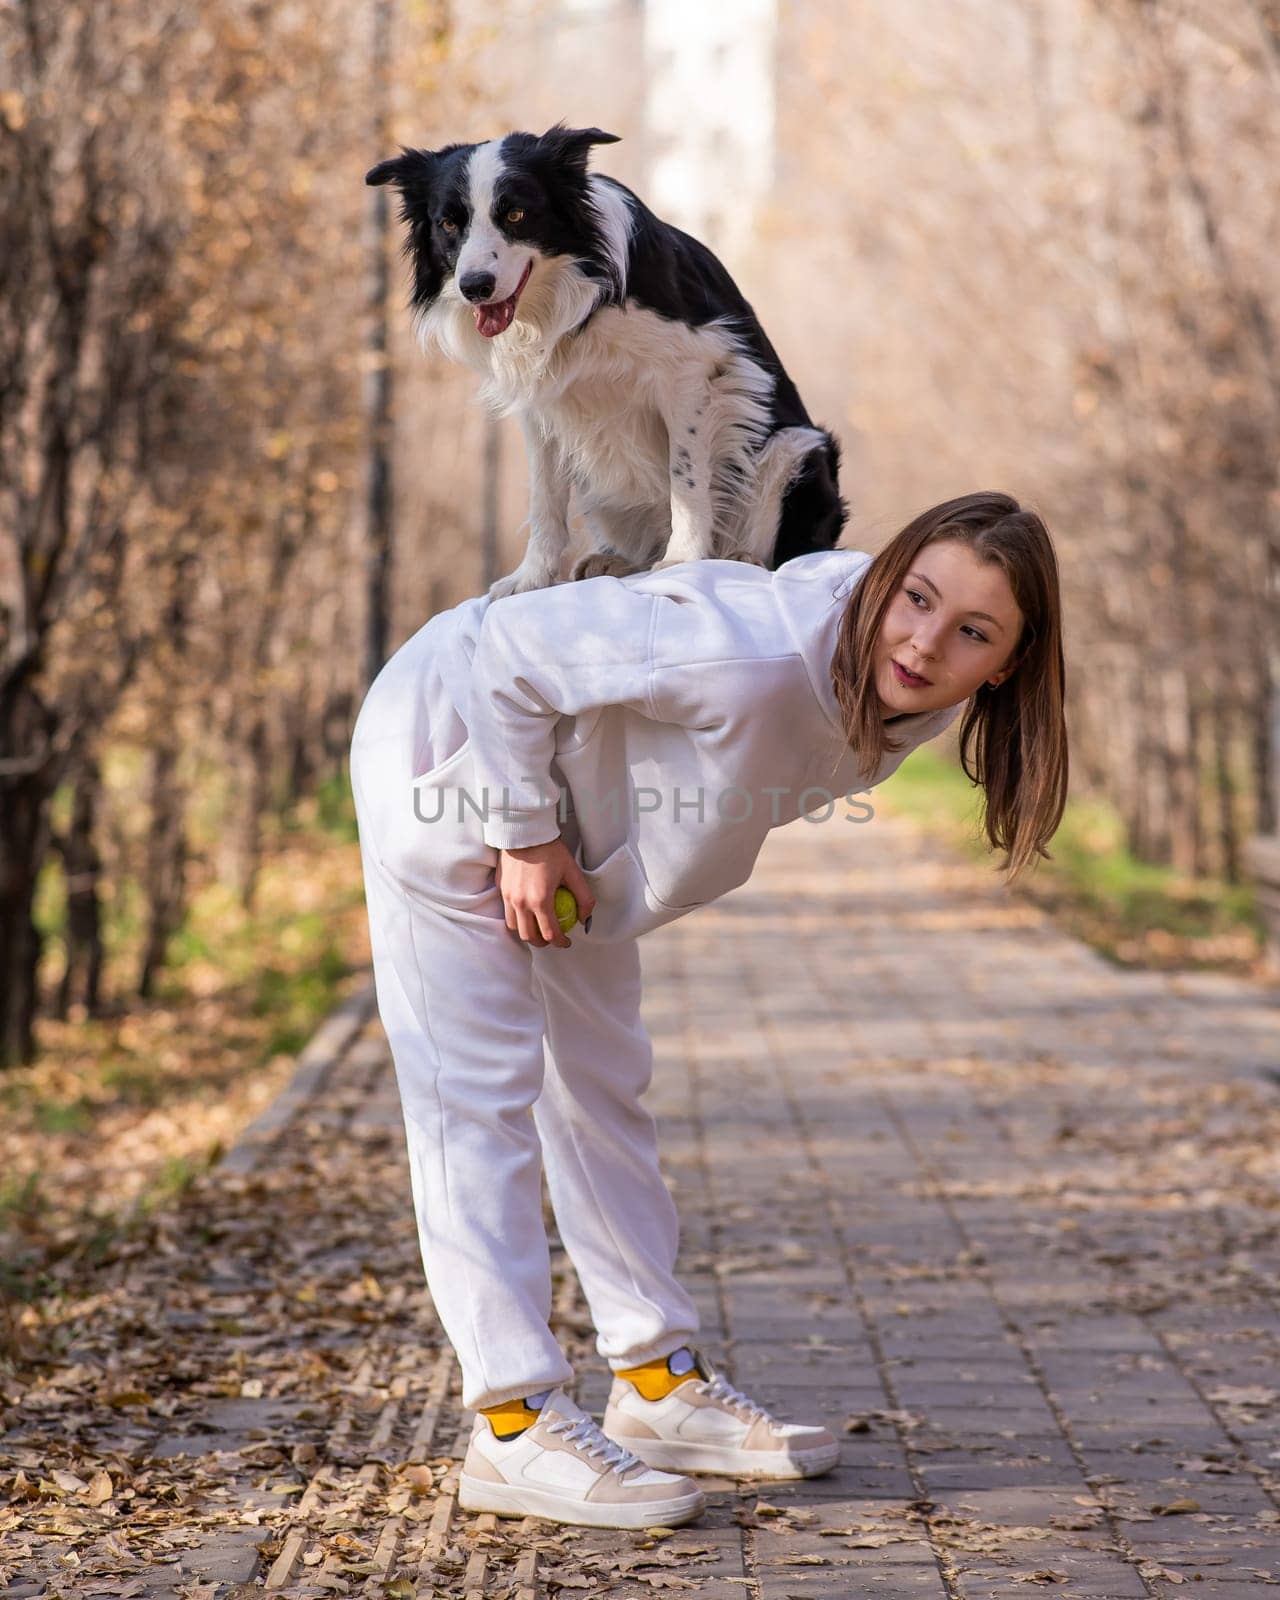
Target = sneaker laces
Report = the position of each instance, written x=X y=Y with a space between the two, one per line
x=586 y=1436
x=719 y=1388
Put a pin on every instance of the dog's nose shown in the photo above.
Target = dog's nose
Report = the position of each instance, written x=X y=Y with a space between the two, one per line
x=478 y=286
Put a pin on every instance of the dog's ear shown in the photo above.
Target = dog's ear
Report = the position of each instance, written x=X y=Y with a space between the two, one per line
x=572 y=146
x=408 y=170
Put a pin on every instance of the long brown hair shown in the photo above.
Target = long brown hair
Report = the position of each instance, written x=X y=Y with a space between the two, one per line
x=1013 y=739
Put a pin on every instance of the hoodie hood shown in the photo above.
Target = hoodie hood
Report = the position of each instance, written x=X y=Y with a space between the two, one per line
x=811 y=593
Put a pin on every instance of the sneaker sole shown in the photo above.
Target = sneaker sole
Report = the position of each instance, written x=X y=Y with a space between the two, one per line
x=515 y=1500
x=686 y=1456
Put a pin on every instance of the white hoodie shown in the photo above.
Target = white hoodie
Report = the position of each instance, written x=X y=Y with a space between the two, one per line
x=665 y=721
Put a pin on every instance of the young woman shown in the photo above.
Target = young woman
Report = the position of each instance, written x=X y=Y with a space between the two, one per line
x=634 y=740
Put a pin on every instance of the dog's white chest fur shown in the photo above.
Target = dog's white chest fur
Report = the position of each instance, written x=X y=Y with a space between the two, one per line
x=611 y=392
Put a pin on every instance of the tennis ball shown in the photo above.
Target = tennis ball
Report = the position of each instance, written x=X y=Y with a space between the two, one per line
x=566 y=909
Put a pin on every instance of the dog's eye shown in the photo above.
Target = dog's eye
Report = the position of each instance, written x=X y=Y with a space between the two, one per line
x=448 y=224
x=515 y=216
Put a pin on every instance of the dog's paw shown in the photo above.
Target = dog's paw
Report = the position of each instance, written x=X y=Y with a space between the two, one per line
x=744 y=555
x=602 y=564
x=521 y=581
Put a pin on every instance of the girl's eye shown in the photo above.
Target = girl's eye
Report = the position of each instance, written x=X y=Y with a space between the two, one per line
x=980 y=637
x=515 y=216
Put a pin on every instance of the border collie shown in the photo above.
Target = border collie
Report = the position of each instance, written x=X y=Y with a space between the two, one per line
x=640 y=375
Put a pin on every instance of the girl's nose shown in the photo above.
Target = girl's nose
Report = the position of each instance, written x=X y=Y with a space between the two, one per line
x=926 y=642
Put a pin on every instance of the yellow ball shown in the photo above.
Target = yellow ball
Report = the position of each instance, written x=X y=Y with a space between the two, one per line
x=566 y=909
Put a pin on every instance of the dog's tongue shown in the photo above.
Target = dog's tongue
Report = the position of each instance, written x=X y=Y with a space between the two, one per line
x=495 y=318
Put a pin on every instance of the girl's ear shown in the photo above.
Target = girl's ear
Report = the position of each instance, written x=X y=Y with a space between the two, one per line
x=1007 y=672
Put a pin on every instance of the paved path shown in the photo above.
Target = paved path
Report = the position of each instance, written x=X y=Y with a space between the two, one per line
x=1006 y=1217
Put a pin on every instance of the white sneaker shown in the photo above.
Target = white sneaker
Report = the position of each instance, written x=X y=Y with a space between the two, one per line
x=694 y=1420
x=563 y=1467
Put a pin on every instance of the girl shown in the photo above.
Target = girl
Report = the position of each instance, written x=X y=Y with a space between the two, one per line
x=634 y=740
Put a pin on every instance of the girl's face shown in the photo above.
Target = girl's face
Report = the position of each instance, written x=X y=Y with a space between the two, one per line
x=953 y=621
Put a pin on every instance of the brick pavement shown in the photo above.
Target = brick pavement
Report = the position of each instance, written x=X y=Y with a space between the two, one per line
x=1003 y=1215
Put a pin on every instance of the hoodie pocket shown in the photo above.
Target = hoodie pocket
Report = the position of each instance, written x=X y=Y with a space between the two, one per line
x=626 y=905
x=685 y=870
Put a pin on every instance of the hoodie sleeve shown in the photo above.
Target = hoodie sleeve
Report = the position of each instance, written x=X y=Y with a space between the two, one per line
x=539 y=656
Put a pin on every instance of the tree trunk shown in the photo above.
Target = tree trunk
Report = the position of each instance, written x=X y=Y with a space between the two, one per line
x=1141 y=822
x=166 y=862
x=27 y=778
x=301 y=750
x=19 y=938
x=1228 y=833
x=338 y=725
x=1181 y=773
x=379 y=488
x=256 y=767
x=82 y=870
x=1265 y=737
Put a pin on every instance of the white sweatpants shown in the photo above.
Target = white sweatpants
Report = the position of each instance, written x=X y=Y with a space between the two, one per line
x=508 y=1059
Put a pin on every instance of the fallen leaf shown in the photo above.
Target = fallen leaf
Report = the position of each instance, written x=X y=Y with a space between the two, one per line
x=1229 y=1394
x=128 y=1397
x=100 y=1489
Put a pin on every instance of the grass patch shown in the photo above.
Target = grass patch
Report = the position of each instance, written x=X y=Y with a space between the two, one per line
x=1133 y=912
x=73 y=1116
x=336 y=811
x=297 y=1002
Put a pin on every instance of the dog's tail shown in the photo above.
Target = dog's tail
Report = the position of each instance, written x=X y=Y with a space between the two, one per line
x=779 y=463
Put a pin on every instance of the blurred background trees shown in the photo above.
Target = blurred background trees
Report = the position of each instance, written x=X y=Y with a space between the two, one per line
x=998 y=243
x=1047 y=227
x=182 y=430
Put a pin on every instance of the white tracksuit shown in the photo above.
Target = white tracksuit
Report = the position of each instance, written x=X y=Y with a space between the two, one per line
x=662 y=724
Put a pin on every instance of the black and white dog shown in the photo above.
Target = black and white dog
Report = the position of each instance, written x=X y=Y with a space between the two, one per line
x=639 y=373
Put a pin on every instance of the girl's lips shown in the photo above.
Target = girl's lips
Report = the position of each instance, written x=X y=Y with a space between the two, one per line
x=907 y=679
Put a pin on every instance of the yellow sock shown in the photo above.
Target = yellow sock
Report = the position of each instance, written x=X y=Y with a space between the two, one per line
x=512 y=1417
x=654 y=1380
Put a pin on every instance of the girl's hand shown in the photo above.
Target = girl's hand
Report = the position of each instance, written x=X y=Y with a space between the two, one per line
x=528 y=880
